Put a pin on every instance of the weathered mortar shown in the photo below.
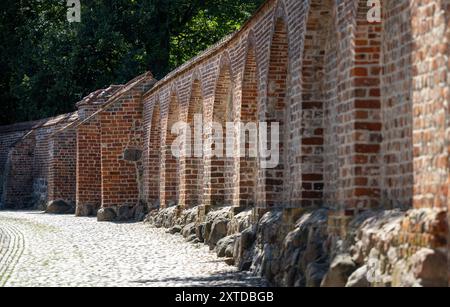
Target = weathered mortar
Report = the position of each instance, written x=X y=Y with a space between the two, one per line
x=365 y=126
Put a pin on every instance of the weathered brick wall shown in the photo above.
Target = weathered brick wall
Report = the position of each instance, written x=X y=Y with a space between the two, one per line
x=430 y=102
x=221 y=182
x=344 y=91
x=122 y=146
x=88 y=166
x=62 y=166
x=152 y=155
x=397 y=115
x=361 y=106
x=18 y=184
x=296 y=44
x=363 y=110
x=88 y=152
x=26 y=160
x=8 y=136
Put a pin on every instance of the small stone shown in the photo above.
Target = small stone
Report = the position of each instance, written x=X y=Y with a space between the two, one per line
x=191 y=238
x=132 y=154
x=199 y=230
x=106 y=215
x=189 y=230
x=225 y=246
x=429 y=267
x=229 y=261
x=175 y=229
x=315 y=273
x=340 y=270
x=59 y=207
x=358 y=279
x=218 y=231
x=124 y=213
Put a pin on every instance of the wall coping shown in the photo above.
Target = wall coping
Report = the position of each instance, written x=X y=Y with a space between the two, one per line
x=116 y=96
x=211 y=51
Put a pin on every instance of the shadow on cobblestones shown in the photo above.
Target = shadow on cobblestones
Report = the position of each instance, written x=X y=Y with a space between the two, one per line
x=216 y=280
x=42 y=250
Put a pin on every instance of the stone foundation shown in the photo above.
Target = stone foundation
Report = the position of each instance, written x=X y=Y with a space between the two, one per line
x=123 y=213
x=384 y=248
x=364 y=128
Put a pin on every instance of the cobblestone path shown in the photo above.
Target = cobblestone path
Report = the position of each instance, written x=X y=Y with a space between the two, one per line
x=52 y=250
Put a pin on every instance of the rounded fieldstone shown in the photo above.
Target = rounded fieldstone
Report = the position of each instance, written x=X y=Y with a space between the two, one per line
x=106 y=215
x=59 y=207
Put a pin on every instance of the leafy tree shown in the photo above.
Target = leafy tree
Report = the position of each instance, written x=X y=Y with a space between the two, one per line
x=48 y=64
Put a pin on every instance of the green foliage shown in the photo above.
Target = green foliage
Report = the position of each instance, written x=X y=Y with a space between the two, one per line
x=48 y=64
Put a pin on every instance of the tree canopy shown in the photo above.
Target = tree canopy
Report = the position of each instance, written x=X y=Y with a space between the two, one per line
x=48 y=64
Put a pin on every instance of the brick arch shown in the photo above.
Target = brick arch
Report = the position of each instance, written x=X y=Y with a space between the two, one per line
x=221 y=168
x=191 y=186
x=224 y=68
x=248 y=165
x=313 y=100
x=196 y=78
x=154 y=156
x=281 y=13
x=273 y=187
x=170 y=169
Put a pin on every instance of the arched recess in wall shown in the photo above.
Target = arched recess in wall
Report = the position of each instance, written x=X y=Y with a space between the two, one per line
x=170 y=191
x=276 y=112
x=367 y=123
x=154 y=156
x=313 y=102
x=193 y=177
x=330 y=89
x=248 y=166
x=397 y=177
x=221 y=168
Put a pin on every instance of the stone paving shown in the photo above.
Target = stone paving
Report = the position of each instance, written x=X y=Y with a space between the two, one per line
x=37 y=249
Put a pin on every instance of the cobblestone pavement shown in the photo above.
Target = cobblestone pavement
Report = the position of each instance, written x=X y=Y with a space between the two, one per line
x=52 y=250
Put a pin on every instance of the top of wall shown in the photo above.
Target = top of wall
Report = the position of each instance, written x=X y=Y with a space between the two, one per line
x=213 y=50
x=42 y=123
x=107 y=97
x=100 y=96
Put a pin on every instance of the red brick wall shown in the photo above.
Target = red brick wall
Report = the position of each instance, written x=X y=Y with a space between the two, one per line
x=7 y=138
x=170 y=176
x=331 y=163
x=275 y=185
x=88 y=166
x=343 y=90
x=122 y=147
x=120 y=130
x=313 y=99
x=27 y=171
x=191 y=165
x=219 y=168
x=62 y=166
x=363 y=109
x=18 y=184
x=396 y=83
x=430 y=102
x=247 y=113
x=153 y=156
